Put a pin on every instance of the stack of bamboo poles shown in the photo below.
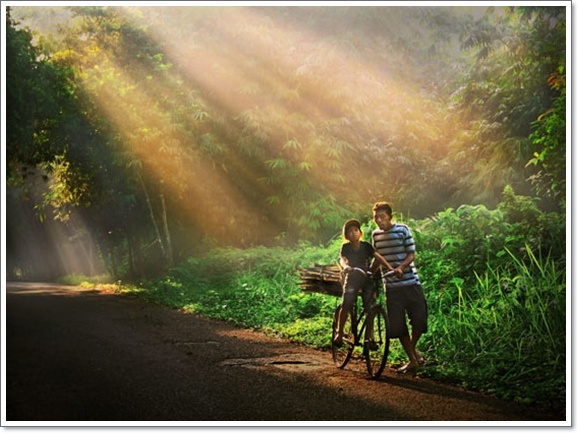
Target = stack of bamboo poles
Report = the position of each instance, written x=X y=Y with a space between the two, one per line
x=324 y=279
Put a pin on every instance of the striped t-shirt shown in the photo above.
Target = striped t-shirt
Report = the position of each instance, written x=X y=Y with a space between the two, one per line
x=394 y=245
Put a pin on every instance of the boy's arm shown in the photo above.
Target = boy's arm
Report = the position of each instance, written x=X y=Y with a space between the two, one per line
x=344 y=263
x=379 y=260
x=410 y=257
x=407 y=261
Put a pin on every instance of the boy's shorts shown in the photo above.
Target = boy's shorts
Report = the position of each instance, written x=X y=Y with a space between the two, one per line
x=354 y=282
x=410 y=300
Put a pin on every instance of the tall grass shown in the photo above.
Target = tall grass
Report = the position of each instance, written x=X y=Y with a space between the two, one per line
x=506 y=335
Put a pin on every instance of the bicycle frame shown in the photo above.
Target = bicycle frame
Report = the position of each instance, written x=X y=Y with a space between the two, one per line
x=355 y=331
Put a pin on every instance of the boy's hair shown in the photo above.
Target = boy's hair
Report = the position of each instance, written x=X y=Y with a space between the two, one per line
x=349 y=223
x=383 y=205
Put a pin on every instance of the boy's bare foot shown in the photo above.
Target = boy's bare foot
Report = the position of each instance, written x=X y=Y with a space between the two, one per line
x=410 y=366
x=338 y=340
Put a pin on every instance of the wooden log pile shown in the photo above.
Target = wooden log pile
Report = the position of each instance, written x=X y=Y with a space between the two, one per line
x=325 y=279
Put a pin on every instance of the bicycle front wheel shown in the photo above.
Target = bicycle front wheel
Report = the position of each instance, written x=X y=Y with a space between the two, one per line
x=342 y=354
x=376 y=359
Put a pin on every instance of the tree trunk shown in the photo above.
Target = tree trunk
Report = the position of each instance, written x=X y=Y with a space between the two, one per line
x=169 y=247
x=152 y=216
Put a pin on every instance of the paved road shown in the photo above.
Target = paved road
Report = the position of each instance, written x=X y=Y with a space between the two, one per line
x=75 y=355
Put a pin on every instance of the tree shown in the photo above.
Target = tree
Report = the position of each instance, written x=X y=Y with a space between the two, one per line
x=34 y=95
x=175 y=130
x=503 y=94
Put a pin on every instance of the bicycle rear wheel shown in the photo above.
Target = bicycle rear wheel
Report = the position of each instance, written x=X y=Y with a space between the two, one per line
x=342 y=354
x=376 y=359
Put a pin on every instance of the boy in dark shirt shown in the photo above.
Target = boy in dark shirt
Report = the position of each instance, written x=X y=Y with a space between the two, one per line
x=356 y=258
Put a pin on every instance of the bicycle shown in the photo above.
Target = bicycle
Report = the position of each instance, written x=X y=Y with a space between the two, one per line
x=354 y=331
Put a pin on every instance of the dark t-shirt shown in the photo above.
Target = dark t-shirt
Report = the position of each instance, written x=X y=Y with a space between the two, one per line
x=360 y=258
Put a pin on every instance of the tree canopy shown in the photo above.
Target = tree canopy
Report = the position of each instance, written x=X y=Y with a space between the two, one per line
x=163 y=131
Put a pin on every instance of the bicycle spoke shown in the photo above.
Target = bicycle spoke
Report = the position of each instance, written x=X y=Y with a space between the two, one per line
x=342 y=354
x=376 y=359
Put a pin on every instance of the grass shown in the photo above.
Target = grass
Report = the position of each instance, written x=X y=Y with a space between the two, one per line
x=506 y=334
x=76 y=280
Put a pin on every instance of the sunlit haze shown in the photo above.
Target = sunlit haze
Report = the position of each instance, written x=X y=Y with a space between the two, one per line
x=239 y=91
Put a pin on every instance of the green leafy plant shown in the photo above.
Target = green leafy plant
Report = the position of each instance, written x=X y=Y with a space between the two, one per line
x=506 y=334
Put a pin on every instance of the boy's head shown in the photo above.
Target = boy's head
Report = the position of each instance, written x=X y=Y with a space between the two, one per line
x=348 y=224
x=382 y=214
x=383 y=206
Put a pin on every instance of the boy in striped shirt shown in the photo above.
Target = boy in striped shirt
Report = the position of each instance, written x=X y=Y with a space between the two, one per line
x=404 y=291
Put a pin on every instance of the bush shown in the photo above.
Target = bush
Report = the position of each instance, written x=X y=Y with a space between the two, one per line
x=255 y=288
x=505 y=332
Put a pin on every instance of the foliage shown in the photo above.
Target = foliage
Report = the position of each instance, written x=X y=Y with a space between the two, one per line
x=254 y=288
x=504 y=331
x=549 y=136
x=515 y=53
x=65 y=189
x=471 y=238
x=285 y=124
x=32 y=99
x=100 y=281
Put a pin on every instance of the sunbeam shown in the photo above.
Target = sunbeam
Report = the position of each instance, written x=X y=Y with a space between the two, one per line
x=209 y=196
x=246 y=117
x=245 y=64
x=50 y=248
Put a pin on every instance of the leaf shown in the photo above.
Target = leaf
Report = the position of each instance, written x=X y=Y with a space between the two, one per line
x=305 y=166
x=333 y=152
x=273 y=200
x=200 y=116
x=277 y=163
x=292 y=144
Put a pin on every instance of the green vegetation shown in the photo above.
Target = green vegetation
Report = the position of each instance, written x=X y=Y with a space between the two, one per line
x=75 y=280
x=148 y=134
x=199 y=155
x=498 y=315
x=254 y=288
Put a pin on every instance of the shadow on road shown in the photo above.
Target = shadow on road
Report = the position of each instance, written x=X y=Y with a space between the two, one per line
x=76 y=355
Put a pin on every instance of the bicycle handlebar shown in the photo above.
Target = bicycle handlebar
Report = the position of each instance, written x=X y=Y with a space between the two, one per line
x=363 y=271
